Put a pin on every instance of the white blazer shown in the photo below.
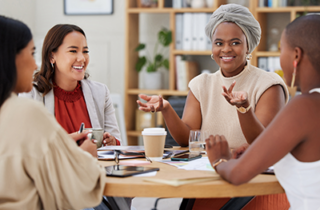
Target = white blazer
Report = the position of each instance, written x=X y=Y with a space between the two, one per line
x=98 y=101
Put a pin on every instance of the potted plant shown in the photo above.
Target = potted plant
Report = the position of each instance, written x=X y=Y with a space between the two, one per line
x=156 y=61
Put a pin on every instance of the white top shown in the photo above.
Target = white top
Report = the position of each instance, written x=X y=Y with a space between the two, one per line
x=218 y=116
x=300 y=180
x=41 y=166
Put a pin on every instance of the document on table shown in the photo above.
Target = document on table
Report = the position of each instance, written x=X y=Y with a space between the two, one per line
x=201 y=164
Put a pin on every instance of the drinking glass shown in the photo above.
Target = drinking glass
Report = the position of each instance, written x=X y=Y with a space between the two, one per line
x=197 y=141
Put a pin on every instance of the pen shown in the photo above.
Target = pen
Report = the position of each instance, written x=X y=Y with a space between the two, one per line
x=81 y=127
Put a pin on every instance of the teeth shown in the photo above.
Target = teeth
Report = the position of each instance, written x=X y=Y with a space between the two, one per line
x=227 y=57
x=78 y=67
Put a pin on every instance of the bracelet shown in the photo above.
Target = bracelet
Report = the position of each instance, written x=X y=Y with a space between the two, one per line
x=217 y=163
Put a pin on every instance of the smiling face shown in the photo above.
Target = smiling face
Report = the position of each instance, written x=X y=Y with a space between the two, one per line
x=71 y=59
x=229 y=48
x=25 y=66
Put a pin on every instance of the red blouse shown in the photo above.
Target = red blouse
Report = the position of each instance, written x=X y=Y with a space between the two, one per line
x=70 y=108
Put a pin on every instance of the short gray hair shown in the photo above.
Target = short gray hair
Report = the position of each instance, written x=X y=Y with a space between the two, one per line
x=239 y=15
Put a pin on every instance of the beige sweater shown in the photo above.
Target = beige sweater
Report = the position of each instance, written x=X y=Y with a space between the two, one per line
x=41 y=166
x=218 y=116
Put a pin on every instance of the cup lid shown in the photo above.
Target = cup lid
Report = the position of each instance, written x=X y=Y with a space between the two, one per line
x=154 y=132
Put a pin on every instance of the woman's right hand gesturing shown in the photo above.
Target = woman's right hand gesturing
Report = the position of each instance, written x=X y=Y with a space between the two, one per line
x=153 y=104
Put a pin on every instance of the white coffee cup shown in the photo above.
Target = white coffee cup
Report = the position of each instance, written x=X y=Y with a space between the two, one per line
x=154 y=140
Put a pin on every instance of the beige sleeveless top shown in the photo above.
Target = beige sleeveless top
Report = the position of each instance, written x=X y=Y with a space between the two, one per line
x=218 y=116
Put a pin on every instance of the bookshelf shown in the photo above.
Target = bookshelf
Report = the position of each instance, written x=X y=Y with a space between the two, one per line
x=262 y=13
x=132 y=39
x=131 y=76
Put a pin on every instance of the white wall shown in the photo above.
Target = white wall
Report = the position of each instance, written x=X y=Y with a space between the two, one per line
x=105 y=34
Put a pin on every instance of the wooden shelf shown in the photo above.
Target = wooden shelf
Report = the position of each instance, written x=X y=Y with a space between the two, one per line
x=267 y=54
x=157 y=92
x=168 y=10
x=182 y=52
x=134 y=133
x=288 y=9
x=132 y=40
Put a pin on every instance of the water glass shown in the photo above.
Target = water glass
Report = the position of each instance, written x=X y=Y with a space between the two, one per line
x=197 y=141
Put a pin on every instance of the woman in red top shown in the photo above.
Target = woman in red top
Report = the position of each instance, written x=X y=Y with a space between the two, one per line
x=62 y=85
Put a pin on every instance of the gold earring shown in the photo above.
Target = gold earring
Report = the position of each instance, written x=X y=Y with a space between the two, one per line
x=294 y=73
x=249 y=57
x=212 y=57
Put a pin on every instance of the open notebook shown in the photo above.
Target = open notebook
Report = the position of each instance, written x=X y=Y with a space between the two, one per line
x=129 y=152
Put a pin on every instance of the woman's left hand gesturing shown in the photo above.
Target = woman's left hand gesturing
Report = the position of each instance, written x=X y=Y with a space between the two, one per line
x=235 y=98
x=217 y=148
x=109 y=140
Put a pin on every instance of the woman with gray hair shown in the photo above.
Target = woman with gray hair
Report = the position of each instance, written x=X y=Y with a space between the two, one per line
x=256 y=96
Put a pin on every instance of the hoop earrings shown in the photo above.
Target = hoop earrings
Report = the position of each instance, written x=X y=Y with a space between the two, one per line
x=294 y=73
x=248 y=57
x=212 y=57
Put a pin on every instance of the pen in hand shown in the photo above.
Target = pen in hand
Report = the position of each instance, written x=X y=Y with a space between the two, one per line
x=79 y=142
x=81 y=127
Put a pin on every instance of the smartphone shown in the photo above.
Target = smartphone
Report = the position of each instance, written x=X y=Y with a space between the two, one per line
x=186 y=157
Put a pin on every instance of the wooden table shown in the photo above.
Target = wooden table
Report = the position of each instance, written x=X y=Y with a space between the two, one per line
x=137 y=187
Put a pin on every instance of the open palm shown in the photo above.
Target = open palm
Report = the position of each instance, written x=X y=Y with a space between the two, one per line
x=153 y=104
x=234 y=98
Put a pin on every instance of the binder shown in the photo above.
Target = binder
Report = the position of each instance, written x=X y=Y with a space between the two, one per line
x=181 y=80
x=263 y=63
x=195 y=30
x=209 y=44
x=187 y=31
x=271 y=66
x=179 y=28
x=177 y=4
x=202 y=38
x=185 y=71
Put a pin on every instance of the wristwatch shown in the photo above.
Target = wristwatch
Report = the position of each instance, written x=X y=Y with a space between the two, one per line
x=217 y=163
x=243 y=110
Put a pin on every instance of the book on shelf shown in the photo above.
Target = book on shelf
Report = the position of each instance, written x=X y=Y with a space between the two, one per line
x=209 y=44
x=179 y=32
x=273 y=3
x=195 y=27
x=185 y=71
x=201 y=35
x=190 y=31
x=187 y=31
x=269 y=64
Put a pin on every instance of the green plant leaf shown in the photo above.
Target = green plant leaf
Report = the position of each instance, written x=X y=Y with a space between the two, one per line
x=151 y=68
x=165 y=37
x=140 y=47
x=165 y=63
x=158 y=58
x=140 y=63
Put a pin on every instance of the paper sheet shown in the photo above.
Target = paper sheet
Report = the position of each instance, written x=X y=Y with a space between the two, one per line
x=201 y=164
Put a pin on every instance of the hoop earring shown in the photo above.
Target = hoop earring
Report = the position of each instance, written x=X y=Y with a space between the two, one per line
x=248 y=57
x=212 y=57
x=294 y=73
x=52 y=65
